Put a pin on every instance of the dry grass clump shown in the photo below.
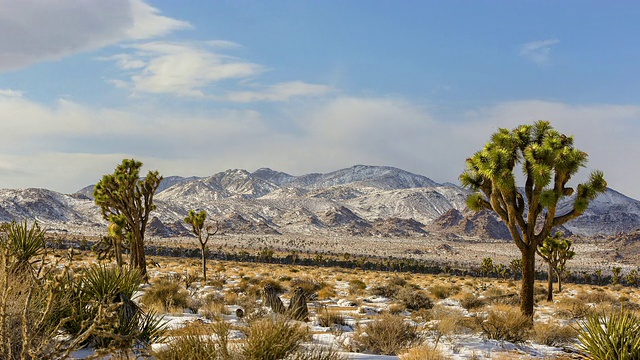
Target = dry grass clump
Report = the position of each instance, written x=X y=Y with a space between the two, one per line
x=356 y=287
x=328 y=318
x=309 y=286
x=505 y=323
x=423 y=352
x=269 y=339
x=165 y=296
x=598 y=296
x=553 y=334
x=573 y=308
x=443 y=291
x=414 y=299
x=470 y=301
x=387 y=335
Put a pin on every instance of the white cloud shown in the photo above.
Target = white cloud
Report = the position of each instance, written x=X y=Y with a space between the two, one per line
x=538 y=51
x=30 y=34
x=279 y=92
x=9 y=92
x=185 y=69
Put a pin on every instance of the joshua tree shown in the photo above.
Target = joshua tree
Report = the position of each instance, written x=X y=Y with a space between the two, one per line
x=516 y=268
x=548 y=160
x=487 y=267
x=197 y=222
x=556 y=250
x=125 y=198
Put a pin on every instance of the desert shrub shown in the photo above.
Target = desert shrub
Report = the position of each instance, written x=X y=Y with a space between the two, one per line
x=329 y=318
x=505 y=323
x=269 y=339
x=553 y=334
x=598 y=296
x=189 y=347
x=309 y=286
x=470 y=301
x=316 y=353
x=386 y=335
x=356 y=287
x=165 y=296
x=197 y=343
x=610 y=336
x=572 y=308
x=277 y=285
x=388 y=291
x=423 y=352
x=414 y=299
x=326 y=292
x=443 y=291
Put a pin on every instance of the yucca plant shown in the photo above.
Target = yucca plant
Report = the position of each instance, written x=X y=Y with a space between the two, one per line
x=25 y=244
x=610 y=336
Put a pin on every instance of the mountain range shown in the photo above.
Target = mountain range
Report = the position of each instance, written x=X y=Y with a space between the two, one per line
x=360 y=200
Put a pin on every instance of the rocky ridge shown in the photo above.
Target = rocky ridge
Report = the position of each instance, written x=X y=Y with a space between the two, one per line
x=360 y=200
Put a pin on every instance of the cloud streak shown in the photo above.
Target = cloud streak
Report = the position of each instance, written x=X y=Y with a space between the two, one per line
x=538 y=52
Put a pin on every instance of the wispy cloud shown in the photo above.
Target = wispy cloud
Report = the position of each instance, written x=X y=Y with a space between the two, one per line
x=279 y=92
x=70 y=26
x=538 y=51
x=184 y=69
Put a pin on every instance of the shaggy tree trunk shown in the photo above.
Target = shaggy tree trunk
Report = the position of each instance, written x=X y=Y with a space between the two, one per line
x=550 y=284
x=528 y=281
x=559 y=281
x=204 y=261
x=117 y=248
x=298 y=306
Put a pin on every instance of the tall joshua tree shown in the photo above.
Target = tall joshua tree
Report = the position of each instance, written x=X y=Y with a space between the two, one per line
x=549 y=160
x=126 y=199
x=197 y=222
x=556 y=251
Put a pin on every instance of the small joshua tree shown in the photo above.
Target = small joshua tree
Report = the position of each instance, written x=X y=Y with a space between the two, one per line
x=197 y=222
x=556 y=251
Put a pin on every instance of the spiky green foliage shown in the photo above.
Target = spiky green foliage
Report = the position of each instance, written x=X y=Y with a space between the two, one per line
x=610 y=336
x=124 y=198
x=25 y=244
x=556 y=251
x=548 y=160
x=197 y=221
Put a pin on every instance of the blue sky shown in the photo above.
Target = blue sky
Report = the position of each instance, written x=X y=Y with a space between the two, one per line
x=197 y=87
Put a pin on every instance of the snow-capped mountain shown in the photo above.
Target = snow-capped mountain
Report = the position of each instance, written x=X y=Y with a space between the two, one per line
x=363 y=200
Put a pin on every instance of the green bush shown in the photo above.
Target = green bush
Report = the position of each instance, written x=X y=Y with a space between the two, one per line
x=610 y=336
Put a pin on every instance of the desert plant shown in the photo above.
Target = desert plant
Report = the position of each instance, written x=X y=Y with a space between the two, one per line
x=165 y=295
x=505 y=323
x=443 y=291
x=423 y=352
x=330 y=318
x=414 y=299
x=123 y=197
x=556 y=251
x=273 y=339
x=610 y=336
x=356 y=287
x=386 y=335
x=197 y=222
x=553 y=334
x=548 y=160
x=487 y=266
x=470 y=301
x=25 y=244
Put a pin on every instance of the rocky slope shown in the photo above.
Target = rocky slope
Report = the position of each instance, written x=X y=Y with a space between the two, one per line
x=361 y=200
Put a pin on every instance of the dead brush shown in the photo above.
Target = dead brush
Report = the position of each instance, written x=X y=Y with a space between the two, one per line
x=505 y=323
x=554 y=334
x=387 y=335
x=423 y=352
